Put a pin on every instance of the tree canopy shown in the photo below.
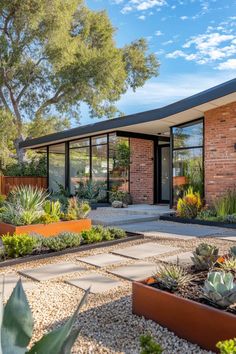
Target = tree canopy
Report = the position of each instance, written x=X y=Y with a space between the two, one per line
x=56 y=54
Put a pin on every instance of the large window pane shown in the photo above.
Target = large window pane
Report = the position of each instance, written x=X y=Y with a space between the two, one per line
x=101 y=139
x=99 y=167
x=79 y=143
x=118 y=163
x=188 y=136
x=56 y=167
x=79 y=167
x=187 y=171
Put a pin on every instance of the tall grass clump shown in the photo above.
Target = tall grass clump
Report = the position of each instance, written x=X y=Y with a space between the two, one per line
x=226 y=205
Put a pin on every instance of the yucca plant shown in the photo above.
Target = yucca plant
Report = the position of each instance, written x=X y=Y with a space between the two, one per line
x=17 y=328
x=172 y=277
x=220 y=289
x=204 y=256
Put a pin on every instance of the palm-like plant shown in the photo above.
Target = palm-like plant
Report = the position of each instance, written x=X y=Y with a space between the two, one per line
x=16 y=328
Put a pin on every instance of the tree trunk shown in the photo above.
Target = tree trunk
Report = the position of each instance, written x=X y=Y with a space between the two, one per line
x=20 y=153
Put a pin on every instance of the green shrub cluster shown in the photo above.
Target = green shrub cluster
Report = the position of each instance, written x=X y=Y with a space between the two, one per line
x=149 y=345
x=62 y=241
x=99 y=233
x=19 y=245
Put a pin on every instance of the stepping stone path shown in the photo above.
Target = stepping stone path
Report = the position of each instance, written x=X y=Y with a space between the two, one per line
x=102 y=260
x=96 y=281
x=149 y=249
x=51 y=271
x=184 y=259
x=136 y=271
x=10 y=281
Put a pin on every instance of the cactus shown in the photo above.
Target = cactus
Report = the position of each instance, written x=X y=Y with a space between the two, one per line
x=17 y=328
x=205 y=256
x=220 y=289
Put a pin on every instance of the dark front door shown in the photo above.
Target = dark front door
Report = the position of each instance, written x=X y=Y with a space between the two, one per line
x=163 y=173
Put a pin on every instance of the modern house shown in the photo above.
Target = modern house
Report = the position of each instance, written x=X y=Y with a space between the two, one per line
x=191 y=142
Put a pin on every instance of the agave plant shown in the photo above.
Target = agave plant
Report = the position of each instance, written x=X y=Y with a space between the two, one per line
x=205 y=256
x=28 y=197
x=172 y=277
x=220 y=289
x=229 y=264
x=17 y=327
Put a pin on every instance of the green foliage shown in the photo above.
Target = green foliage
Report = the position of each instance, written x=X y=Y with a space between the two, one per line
x=117 y=232
x=36 y=167
x=24 y=205
x=205 y=256
x=91 y=191
x=232 y=251
x=19 y=245
x=121 y=196
x=172 y=277
x=229 y=264
x=226 y=205
x=189 y=205
x=52 y=210
x=91 y=236
x=206 y=214
x=149 y=345
x=231 y=219
x=227 y=346
x=220 y=289
x=17 y=328
x=99 y=233
x=122 y=156
x=76 y=210
x=2 y=200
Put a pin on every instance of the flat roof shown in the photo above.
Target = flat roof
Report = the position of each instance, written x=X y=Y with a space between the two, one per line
x=194 y=106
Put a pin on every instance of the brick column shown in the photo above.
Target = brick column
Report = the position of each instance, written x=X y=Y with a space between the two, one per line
x=141 y=170
x=220 y=154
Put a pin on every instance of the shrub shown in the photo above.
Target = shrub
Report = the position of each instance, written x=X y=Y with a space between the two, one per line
x=149 y=345
x=19 y=245
x=76 y=210
x=17 y=328
x=172 y=277
x=2 y=199
x=121 y=196
x=117 y=232
x=52 y=212
x=227 y=346
x=91 y=236
x=231 y=219
x=220 y=289
x=205 y=256
x=226 y=205
x=62 y=241
x=36 y=167
x=206 y=214
x=91 y=191
x=189 y=205
x=54 y=243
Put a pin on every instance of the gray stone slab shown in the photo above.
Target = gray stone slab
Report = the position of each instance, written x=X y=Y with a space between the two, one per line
x=148 y=249
x=136 y=271
x=184 y=259
x=51 y=271
x=228 y=238
x=98 y=283
x=10 y=281
x=102 y=260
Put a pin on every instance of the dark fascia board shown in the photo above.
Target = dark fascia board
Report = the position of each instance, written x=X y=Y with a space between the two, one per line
x=137 y=118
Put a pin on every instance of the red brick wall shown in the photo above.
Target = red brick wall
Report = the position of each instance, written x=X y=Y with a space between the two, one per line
x=220 y=155
x=141 y=170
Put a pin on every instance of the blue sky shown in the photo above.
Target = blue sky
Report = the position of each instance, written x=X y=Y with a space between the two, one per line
x=194 y=40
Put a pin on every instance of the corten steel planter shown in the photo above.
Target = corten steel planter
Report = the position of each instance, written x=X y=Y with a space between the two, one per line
x=47 y=229
x=198 y=323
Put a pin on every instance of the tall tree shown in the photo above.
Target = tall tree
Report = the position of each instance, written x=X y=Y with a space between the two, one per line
x=56 y=54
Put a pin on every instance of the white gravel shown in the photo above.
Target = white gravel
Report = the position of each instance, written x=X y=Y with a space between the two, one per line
x=108 y=323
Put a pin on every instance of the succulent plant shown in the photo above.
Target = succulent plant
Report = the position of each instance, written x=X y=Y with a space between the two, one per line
x=17 y=328
x=232 y=251
x=229 y=264
x=220 y=289
x=205 y=256
x=172 y=277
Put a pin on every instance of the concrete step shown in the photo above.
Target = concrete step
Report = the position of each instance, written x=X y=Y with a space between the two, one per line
x=121 y=220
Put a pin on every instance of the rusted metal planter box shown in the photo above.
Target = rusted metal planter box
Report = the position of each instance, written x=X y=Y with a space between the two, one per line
x=198 y=323
x=47 y=229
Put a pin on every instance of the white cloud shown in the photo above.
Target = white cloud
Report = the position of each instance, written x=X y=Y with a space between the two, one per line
x=126 y=9
x=158 y=33
x=142 y=17
x=141 y=5
x=230 y=64
x=168 y=42
x=183 y=18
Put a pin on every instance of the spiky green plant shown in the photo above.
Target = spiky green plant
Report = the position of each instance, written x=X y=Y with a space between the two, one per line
x=220 y=289
x=229 y=264
x=28 y=197
x=172 y=277
x=232 y=251
x=17 y=328
x=204 y=256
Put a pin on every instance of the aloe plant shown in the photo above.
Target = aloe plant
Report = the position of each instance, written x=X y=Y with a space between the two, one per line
x=220 y=289
x=205 y=256
x=16 y=325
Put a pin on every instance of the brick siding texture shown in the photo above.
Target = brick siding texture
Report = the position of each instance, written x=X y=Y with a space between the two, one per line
x=220 y=154
x=141 y=170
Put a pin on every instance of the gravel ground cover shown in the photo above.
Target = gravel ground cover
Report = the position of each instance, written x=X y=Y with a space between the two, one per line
x=108 y=325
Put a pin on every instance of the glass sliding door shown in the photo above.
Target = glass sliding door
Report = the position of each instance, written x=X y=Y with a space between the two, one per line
x=187 y=159
x=56 y=167
x=165 y=173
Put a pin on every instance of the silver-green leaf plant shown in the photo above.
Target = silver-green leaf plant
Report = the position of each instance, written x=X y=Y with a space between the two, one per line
x=17 y=328
x=220 y=289
x=205 y=256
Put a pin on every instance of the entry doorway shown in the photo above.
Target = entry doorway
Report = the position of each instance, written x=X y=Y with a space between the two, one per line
x=163 y=173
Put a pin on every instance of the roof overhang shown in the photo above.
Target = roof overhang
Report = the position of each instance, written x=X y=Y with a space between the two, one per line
x=153 y=122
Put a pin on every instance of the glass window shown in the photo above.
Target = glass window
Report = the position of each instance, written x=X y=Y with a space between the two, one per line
x=79 y=166
x=188 y=135
x=99 y=167
x=79 y=143
x=119 y=159
x=56 y=168
x=101 y=139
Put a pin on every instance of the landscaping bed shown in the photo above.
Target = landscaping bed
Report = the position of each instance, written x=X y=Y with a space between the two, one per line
x=198 y=303
x=130 y=236
x=174 y=218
